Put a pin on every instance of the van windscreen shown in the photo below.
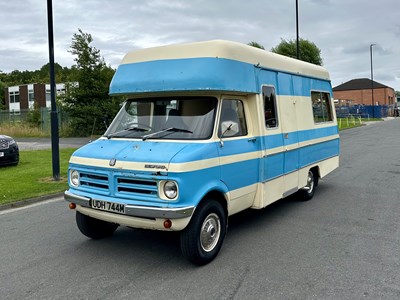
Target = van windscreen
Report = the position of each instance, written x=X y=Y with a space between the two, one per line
x=185 y=118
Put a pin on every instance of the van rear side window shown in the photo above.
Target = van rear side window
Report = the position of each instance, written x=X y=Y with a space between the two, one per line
x=322 y=108
x=271 y=117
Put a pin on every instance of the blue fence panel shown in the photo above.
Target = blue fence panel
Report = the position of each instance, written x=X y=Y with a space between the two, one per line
x=364 y=111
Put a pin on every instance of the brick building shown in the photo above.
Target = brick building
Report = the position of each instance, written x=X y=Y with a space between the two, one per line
x=23 y=97
x=359 y=91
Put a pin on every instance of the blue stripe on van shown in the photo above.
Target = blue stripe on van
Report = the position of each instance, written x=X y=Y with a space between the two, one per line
x=286 y=162
x=278 y=140
x=273 y=167
x=208 y=74
x=318 y=152
x=310 y=134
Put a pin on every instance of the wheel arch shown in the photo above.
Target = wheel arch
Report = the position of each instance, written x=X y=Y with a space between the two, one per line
x=317 y=173
x=218 y=196
x=216 y=190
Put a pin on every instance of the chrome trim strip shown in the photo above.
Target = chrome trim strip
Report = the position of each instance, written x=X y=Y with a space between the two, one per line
x=138 y=211
x=289 y=192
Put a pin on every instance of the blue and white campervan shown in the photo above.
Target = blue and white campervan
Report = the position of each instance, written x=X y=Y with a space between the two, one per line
x=207 y=130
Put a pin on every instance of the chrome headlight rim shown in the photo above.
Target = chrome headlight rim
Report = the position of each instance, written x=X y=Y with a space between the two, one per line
x=74 y=178
x=170 y=190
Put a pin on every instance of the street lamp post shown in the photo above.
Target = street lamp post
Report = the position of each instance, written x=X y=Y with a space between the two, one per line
x=297 y=30
x=53 y=114
x=372 y=81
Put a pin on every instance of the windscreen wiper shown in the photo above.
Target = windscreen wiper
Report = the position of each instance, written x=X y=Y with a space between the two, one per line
x=124 y=130
x=171 y=130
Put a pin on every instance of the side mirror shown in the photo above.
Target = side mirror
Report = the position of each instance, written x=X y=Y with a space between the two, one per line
x=105 y=122
x=229 y=128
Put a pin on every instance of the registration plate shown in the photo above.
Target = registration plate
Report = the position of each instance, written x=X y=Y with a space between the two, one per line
x=1 y=154
x=108 y=206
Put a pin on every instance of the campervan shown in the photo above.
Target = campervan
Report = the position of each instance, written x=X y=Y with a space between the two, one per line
x=207 y=130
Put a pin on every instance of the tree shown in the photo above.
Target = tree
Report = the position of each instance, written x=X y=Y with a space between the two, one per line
x=2 y=95
x=43 y=75
x=257 y=45
x=309 y=52
x=87 y=102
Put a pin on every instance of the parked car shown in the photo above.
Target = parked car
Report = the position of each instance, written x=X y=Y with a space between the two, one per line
x=9 y=152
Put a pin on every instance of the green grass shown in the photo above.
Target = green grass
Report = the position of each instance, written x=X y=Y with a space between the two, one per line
x=33 y=176
x=354 y=122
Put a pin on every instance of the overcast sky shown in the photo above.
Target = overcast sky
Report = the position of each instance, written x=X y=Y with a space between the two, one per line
x=342 y=29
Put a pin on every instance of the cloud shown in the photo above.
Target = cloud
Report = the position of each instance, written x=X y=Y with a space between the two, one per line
x=342 y=29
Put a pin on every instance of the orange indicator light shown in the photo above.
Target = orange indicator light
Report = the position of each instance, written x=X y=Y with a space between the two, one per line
x=167 y=224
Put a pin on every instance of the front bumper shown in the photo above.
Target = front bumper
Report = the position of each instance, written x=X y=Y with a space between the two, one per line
x=10 y=156
x=138 y=211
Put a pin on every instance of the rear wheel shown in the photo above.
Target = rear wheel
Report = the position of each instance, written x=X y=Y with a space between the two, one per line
x=307 y=192
x=202 y=239
x=94 y=228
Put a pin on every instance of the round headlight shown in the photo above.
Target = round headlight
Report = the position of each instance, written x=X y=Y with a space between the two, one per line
x=74 y=178
x=170 y=189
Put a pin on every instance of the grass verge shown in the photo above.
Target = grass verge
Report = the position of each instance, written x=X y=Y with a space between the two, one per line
x=346 y=123
x=33 y=176
x=21 y=130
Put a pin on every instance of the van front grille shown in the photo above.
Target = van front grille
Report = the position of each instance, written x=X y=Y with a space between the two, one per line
x=119 y=185
x=133 y=186
x=95 y=181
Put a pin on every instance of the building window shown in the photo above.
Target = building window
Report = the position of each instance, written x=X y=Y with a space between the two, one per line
x=48 y=95
x=31 y=96
x=322 y=108
x=14 y=97
x=270 y=112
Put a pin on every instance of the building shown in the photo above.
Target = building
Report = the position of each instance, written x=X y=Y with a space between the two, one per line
x=23 y=97
x=359 y=91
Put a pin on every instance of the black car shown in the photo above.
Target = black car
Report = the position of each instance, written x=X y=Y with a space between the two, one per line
x=9 y=152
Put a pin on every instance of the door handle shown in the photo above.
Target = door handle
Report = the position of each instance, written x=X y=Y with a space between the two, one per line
x=252 y=139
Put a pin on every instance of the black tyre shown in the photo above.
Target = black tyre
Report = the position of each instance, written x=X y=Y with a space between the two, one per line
x=307 y=192
x=202 y=239
x=94 y=228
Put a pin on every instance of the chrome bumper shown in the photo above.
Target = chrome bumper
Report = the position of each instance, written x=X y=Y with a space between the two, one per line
x=137 y=211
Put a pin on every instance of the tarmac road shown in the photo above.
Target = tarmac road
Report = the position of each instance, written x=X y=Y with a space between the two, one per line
x=45 y=143
x=343 y=244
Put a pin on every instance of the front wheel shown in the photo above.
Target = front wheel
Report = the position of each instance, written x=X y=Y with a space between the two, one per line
x=202 y=239
x=94 y=228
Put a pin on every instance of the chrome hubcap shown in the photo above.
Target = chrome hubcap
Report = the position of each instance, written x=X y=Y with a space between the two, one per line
x=310 y=182
x=210 y=232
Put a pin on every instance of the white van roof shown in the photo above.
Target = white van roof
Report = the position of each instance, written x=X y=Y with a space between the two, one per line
x=228 y=50
x=217 y=65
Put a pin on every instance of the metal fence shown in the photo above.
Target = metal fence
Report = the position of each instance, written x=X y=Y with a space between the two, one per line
x=42 y=117
x=365 y=111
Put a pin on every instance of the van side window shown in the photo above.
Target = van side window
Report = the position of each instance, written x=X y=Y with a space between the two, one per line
x=271 y=117
x=232 y=122
x=322 y=108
